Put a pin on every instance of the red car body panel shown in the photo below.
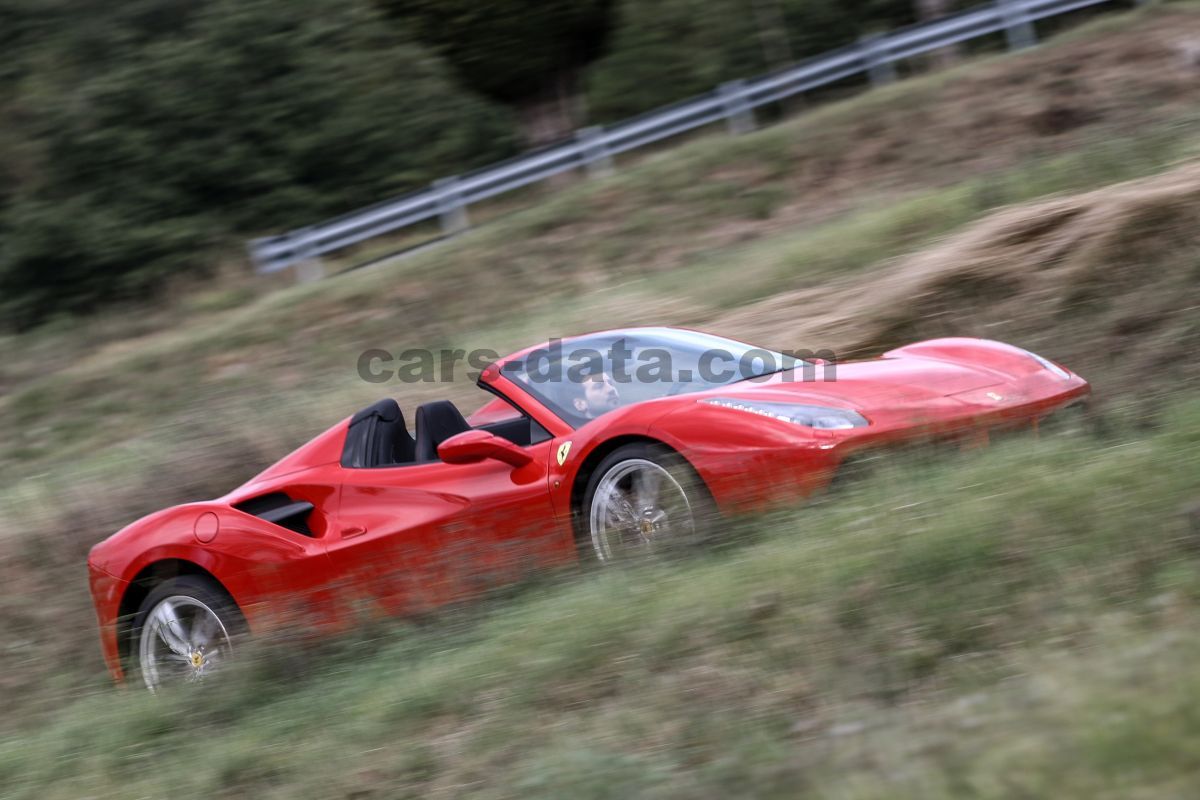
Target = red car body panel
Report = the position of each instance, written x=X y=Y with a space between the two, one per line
x=403 y=539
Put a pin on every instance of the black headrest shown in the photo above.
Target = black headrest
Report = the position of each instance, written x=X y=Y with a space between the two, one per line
x=437 y=422
x=386 y=409
x=377 y=437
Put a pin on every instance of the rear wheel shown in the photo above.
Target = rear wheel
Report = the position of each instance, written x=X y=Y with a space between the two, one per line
x=642 y=499
x=184 y=632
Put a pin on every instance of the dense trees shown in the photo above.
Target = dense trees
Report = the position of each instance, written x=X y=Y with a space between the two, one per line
x=244 y=116
x=526 y=53
x=669 y=49
x=140 y=137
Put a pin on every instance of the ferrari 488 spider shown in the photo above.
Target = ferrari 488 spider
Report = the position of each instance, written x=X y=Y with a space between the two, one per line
x=598 y=447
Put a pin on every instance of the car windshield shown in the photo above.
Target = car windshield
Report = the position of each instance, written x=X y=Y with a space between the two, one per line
x=586 y=377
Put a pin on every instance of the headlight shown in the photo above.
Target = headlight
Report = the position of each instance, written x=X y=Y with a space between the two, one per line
x=821 y=417
x=1050 y=365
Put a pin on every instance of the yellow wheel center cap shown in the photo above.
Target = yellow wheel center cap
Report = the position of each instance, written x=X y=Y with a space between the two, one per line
x=197 y=660
x=647 y=527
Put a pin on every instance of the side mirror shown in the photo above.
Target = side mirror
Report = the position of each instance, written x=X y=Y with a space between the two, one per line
x=472 y=447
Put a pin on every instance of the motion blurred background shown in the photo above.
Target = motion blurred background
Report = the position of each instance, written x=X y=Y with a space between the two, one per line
x=1020 y=621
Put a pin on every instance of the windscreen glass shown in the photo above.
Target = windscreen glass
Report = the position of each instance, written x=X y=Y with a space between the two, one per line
x=586 y=377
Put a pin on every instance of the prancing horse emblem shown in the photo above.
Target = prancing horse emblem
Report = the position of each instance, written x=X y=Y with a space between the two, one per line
x=563 y=449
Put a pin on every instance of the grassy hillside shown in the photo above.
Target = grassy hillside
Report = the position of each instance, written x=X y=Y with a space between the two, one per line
x=681 y=237
x=1017 y=622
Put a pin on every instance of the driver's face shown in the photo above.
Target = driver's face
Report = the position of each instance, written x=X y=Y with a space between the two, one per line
x=600 y=395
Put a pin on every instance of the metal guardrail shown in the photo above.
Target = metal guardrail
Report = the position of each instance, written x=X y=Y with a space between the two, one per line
x=592 y=148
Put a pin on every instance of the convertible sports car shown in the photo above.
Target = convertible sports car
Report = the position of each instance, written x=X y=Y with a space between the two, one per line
x=598 y=447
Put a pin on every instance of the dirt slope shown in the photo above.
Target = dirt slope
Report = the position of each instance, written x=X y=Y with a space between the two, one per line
x=1100 y=280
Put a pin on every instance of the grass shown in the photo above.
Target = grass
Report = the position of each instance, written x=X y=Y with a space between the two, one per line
x=924 y=634
x=875 y=235
x=106 y=420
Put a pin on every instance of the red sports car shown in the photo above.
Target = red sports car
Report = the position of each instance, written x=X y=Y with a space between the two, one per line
x=599 y=447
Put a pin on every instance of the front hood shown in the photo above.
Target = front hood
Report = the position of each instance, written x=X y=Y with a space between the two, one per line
x=866 y=384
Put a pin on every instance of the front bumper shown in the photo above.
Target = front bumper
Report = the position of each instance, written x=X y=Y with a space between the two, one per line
x=107 y=591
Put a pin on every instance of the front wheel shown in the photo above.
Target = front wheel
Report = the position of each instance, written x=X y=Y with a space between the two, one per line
x=184 y=632
x=643 y=498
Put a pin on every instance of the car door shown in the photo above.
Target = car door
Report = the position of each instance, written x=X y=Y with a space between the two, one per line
x=413 y=537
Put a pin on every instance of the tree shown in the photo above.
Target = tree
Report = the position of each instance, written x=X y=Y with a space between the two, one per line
x=256 y=116
x=928 y=10
x=932 y=9
x=528 y=54
x=666 y=50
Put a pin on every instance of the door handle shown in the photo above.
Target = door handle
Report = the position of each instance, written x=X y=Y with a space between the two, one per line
x=352 y=531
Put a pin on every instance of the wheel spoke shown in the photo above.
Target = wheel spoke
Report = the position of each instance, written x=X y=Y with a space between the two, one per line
x=172 y=667
x=646 y=485
x=169 y=628
x=203 y=629
x=620 y=508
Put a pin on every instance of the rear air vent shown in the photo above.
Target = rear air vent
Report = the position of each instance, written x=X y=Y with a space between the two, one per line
x=279 y=509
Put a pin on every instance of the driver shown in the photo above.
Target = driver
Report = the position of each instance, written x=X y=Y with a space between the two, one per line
x=598 y=396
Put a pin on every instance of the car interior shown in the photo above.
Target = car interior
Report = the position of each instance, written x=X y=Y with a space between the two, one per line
x=378 y=436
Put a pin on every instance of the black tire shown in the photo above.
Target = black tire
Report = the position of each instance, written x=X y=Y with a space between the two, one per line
x=199 y=592
x=703 y=516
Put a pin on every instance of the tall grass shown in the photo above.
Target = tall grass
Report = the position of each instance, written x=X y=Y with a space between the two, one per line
x=909 y=636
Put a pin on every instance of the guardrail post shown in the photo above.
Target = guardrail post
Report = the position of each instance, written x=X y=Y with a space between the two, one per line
x=261 y=264
x=452 y=211
x=877 y=59
x=308 y=266
x=594 y=149
x=1018 y=27
x=739 y=116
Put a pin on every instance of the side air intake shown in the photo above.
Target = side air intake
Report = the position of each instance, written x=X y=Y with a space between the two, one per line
x=279 y=509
